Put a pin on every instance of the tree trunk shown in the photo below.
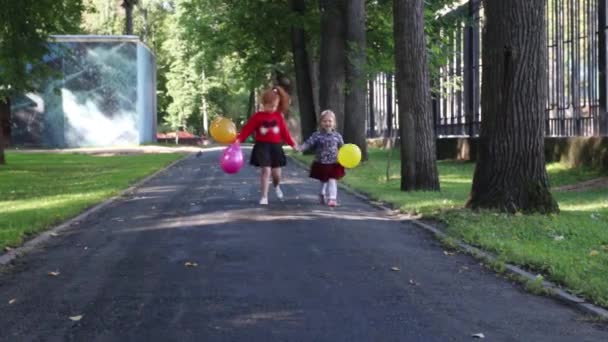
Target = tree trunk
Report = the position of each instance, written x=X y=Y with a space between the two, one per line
x=5 y=113
x=146 y=28
x=418 y=155
x=251 y=102
x=308 y=117
x=510 y=174
x=2 y=159
x=333 y=57
x=354 y=106
x=128 y=6
x=314 y=77
x=204 y=111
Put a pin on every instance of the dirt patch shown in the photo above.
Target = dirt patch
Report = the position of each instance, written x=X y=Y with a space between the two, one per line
x=597 y=183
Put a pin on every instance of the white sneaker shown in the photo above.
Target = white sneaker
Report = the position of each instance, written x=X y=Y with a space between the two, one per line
x=277 y=190
x=264 y=201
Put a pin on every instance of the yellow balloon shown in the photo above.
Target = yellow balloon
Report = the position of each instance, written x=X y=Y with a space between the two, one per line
x=349 y=155
x=223 y=130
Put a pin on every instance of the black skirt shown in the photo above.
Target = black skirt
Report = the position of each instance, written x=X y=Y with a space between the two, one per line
x=268 y=155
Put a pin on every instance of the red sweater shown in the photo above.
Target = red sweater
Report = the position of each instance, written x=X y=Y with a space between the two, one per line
x=268 y=127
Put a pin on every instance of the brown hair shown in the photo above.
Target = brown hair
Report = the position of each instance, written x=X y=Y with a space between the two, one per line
x=271 y=95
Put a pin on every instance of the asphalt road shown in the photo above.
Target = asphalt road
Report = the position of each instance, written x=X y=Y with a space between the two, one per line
x=191 y=256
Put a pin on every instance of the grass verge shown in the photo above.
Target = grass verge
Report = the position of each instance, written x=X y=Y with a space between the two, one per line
x=38 y=190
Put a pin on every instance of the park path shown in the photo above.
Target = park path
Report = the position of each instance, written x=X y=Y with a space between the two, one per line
x=190 y=256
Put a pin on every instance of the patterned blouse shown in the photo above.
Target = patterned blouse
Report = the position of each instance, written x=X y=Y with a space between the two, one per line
x=326 y=146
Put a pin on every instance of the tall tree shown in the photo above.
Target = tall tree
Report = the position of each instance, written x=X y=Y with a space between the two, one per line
x=128 y=6
x=332 y=60
x=306 y=102
x=356 y=91
x=24 y=32
x=510 y=174
x=418 y=155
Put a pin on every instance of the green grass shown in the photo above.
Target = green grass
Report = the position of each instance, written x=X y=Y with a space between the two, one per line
x=570 y=248
x=38 y=190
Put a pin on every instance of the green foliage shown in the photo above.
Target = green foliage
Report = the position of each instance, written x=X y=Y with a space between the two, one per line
x=439 y=29
x=256 y=33
x=102 y=17
x=25 y=28
x=380 y=44
x=219 y=55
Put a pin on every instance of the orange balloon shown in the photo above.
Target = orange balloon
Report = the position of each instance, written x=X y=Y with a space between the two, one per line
x=223 y=130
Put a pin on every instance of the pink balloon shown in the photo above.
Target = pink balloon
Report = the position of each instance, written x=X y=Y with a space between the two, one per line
x=232 y=159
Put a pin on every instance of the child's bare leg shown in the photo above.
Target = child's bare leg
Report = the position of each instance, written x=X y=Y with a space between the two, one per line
x=276 y=176
x=276 y=180
x=264 y=176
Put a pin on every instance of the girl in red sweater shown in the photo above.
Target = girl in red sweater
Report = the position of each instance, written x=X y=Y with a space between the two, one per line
x=269 y=131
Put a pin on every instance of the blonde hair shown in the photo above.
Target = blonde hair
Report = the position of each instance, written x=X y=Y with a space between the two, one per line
x=327 y=113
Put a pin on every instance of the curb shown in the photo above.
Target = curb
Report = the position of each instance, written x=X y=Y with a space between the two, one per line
x=552 y=289
x=42 y=237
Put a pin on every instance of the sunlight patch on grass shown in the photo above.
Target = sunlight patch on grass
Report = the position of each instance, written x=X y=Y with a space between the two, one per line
x=42 y=189
x=48 y=202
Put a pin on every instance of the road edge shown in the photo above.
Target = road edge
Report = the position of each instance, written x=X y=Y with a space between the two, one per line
x=550 y=288
x=44 y=236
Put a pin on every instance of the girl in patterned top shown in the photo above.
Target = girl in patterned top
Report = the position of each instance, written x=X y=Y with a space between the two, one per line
x=326 y=142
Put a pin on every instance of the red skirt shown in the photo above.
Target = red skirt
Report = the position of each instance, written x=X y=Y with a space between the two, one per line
x=324 y=172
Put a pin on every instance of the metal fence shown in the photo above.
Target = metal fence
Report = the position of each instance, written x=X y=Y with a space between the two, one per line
x=577 y=68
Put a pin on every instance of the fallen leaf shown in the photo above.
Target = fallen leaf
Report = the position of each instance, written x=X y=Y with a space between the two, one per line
x=12 y=301
x=76 y=318
x=594 y=253
x=479 y=335
x=462 y=269
x=395 y=268
x=190 y=264
x=54 y=273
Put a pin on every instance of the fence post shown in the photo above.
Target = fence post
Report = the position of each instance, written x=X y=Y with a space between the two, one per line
x=471 y=63
x=389 y=104
x=372 y=112
x=602 y=66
